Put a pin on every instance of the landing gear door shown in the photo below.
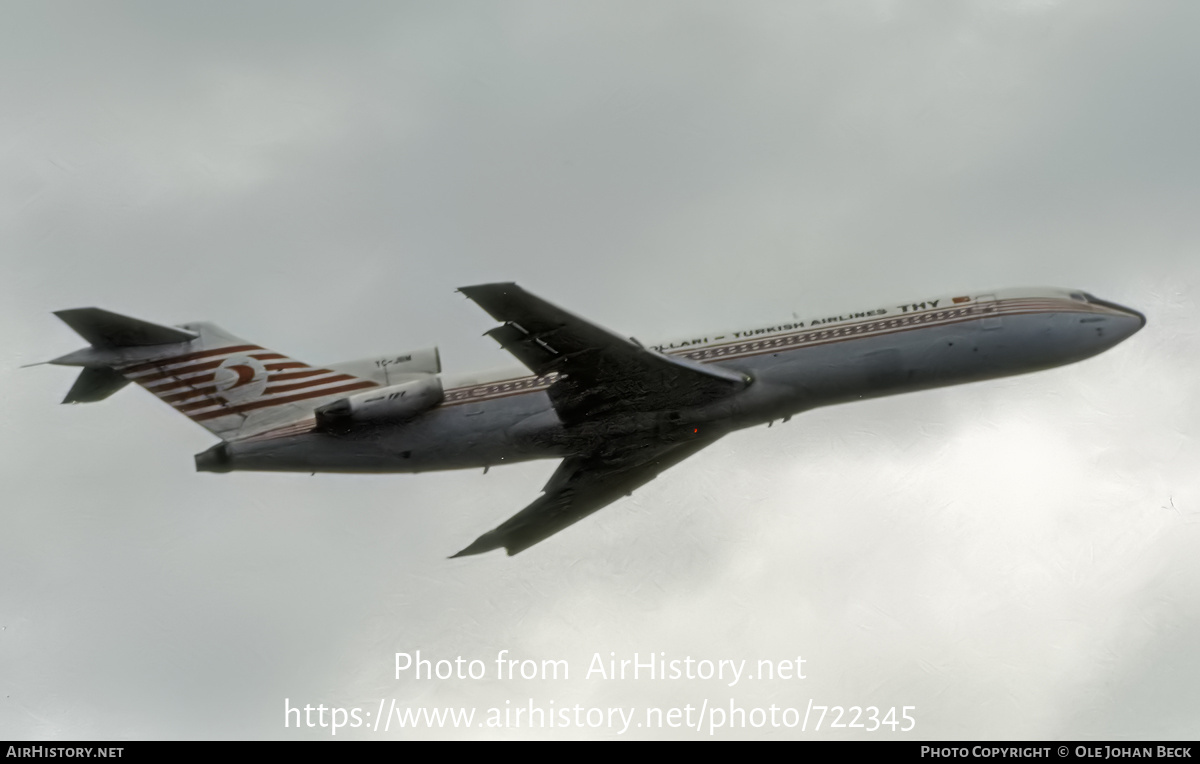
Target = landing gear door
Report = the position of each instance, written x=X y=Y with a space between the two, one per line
x=985 y=304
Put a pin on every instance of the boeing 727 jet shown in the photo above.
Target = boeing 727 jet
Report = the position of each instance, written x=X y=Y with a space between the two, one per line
x=616 y=412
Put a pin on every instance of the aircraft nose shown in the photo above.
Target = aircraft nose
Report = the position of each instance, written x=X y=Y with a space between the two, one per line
x=1141 y=318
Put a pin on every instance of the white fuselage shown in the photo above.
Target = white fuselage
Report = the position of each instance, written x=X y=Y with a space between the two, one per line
x=794 y=365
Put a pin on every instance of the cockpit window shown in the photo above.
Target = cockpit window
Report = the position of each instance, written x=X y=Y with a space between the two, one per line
x=1079 y=296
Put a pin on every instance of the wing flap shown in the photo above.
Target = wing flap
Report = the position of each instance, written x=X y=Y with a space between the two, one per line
x=533 y=352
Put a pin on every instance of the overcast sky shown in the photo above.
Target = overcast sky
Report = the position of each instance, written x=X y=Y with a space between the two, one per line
x=1014 y=558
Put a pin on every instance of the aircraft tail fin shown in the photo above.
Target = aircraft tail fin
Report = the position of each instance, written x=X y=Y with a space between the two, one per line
x=225 y=384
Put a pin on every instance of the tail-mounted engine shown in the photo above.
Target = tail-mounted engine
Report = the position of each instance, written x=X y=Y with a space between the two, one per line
x=396 y=403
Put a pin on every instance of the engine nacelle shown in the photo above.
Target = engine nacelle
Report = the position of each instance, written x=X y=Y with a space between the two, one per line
x=389 y=404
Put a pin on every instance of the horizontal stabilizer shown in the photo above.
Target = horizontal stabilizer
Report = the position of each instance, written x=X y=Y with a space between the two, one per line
x=95 y=384
x=105 y=329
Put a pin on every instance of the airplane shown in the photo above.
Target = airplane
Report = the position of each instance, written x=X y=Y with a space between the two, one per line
x=616 y=412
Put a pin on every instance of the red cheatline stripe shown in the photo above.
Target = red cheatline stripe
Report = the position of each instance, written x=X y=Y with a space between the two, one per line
x=813 y=337
x=296 y=375
x=184 y=370
x=181 y=371
x=187 y=357
x=880 y=325
x=309 y=383
x=268 y=356
x=834 y=334
x=198 y=379
x=277 y=401
x=493 y=397
x=270 y=390
x=212 y=388
x=209 y=390
x=197 y=405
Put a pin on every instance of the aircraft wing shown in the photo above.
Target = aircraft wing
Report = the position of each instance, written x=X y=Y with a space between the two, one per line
x=599 y=372
x=580 y=486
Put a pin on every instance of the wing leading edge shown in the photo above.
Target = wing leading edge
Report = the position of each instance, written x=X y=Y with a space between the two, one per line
x=580 y=486
x=599 y=372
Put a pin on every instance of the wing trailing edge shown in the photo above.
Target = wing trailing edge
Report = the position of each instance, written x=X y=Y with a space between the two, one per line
x=580 y=486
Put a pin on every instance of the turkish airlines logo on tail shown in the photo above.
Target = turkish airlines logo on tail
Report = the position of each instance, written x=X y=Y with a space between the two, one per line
x=239 y=379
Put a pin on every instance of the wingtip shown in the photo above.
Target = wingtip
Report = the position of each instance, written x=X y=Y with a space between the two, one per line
x=72 y=311
x=485 y=543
